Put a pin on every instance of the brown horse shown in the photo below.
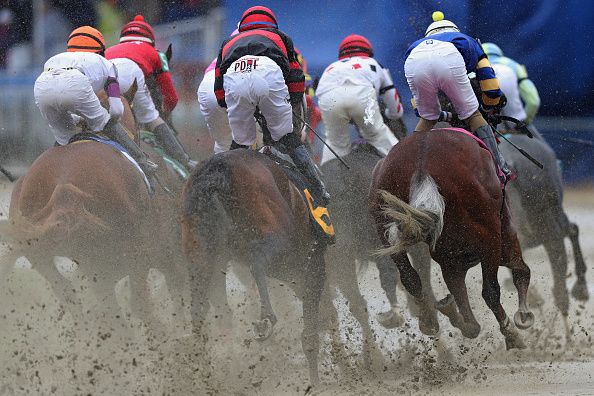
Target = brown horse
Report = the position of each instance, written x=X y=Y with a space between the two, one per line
x=87 y=202
x=241 y=206
x=440 y=187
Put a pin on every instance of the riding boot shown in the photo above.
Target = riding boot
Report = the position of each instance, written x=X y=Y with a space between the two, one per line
x=304 y=163
x=485 y=133
x=116 y=132
x=166 y=138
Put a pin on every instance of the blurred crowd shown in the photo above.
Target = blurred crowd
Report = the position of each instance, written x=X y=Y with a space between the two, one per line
x=18 y=27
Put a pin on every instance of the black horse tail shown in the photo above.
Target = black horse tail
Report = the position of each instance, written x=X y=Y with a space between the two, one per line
x=207 y=196
x=419 y=221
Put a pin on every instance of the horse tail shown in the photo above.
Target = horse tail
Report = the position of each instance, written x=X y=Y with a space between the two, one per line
x=204 y=206
x=419 y=221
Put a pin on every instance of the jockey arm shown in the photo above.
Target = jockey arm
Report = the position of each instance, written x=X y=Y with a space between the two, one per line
x=389 y=96
x=295 y=79
x=112 y=88
x=528 y=93
x=165 y=84
x=488 y=82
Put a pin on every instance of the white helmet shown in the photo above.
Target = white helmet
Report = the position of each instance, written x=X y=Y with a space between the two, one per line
x=440 y=25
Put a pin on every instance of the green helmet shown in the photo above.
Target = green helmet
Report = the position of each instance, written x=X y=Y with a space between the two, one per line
x=492 y=49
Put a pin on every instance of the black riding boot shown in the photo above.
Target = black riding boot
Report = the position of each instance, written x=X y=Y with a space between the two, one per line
x=303 y=161
x=166 y=138
x=116 y=132
x=485 y=133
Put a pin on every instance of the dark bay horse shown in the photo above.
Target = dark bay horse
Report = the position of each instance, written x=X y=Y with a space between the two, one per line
x=241 y=206
x=440 y=187
x=87 y=202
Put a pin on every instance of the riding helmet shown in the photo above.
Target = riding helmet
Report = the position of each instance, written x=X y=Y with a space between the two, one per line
x=257 y=17
x=354 y=45
x=86 y=39
x=138 y=30
x=492 y=49
x=440 y=25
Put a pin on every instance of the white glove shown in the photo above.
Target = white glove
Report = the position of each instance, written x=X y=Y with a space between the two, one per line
x=116 y=107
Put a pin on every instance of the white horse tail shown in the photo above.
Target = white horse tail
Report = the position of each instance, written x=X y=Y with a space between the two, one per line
x=419 y=221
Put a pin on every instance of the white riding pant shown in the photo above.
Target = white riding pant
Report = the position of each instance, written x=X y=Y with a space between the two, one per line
x=214 y=115
x=143 y=105
x=357 y=103
x=438 y=66
x=63 y=95
x=258 y=81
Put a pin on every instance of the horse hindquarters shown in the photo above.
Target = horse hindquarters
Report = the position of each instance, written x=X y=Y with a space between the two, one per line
x=403 y=226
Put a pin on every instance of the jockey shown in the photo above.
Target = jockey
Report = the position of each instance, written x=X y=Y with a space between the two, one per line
x=348 y=91
x=258 y=69
x=527 y=90
x=137 y=59
x=215 y=116
x=66 y=93
x=441 y=62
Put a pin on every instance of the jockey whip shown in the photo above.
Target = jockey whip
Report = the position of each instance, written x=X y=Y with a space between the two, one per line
x=521 y=150
x=8 y=175
x=322 y=140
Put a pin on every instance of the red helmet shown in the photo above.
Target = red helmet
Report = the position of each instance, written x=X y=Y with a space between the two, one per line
x=354 y=45
x=138 y=30
x=256 y=18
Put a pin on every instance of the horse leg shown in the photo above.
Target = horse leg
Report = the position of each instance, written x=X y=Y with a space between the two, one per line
x=141 y=304
x=62 y=287
x=421 y=261
x=428 y=323
x=218 y=298
x=263 y=252
x=388 y=274
x=314 y=279
x=200 y=271
x=558 y=257
x=580 y=288
x=349 y=286
x=492 y=294
x=463 y=320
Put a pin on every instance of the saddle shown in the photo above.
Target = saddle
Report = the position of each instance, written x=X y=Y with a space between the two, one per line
x=88 y=137
x=319 y=217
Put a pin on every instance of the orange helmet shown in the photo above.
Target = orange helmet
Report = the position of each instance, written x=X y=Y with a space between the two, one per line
x=354 y=45
x=86 y=39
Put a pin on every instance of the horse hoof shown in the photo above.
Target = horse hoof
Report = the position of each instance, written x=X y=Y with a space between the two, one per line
x=524 y=320
x=447 y=307
x=580 y=290
x=470 y=330
x=514 y=342
x=390 y=319
x=263 y=329
x=429 y=325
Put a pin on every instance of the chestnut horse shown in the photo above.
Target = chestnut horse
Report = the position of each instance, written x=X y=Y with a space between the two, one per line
x=87 y=202
x=241 y=206
x=440 y=187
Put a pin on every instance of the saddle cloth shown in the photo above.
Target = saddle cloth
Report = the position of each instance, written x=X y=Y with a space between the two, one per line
x=86 y=137
x=319 y=217
x=150 y=139
x=480 y=143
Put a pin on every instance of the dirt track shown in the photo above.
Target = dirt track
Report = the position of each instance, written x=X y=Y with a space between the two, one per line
x=40 y=355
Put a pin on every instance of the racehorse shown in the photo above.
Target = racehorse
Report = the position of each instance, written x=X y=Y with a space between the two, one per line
x=537 y=206
x=241 y=206
x=87 y=202
x=440 y=187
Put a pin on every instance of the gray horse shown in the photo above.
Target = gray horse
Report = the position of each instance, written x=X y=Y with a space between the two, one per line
x=356 y=238
x=536 y=199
